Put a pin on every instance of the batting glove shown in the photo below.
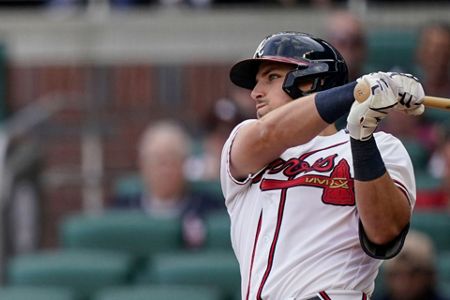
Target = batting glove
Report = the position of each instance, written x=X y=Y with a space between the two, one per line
x=409 y=93
x=364 y=117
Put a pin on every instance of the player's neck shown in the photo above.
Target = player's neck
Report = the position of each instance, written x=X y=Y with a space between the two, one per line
x=329 y=130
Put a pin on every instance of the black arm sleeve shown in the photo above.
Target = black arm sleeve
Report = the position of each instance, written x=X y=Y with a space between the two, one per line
x=386 y=251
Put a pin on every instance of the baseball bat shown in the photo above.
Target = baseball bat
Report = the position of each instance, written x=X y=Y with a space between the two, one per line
x=362 y=92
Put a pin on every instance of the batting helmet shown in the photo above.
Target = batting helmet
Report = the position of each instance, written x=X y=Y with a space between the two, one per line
x=312 y=57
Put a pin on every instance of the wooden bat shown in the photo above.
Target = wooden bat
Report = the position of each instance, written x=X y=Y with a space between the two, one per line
x=362 y=92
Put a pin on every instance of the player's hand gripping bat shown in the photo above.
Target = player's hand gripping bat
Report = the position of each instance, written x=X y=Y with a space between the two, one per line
x=362 y=92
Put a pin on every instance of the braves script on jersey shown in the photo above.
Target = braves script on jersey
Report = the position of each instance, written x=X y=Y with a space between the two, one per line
x=294 y=224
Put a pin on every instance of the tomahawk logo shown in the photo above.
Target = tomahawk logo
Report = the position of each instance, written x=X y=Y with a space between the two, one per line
x=338 y=186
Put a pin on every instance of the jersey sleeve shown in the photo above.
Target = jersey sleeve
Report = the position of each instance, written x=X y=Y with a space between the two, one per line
x=400 y=168
x=232 y=186
x=398 y=165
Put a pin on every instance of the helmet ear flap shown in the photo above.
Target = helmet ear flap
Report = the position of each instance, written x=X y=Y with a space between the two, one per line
x=290 y=86
x=314 y=71
x=291 y=83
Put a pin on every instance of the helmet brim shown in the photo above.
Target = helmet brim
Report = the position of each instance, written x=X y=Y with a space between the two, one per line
x=243 y=73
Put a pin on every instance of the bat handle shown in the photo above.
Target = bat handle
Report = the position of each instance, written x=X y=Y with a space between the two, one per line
x=361 y=91
x=436 y=102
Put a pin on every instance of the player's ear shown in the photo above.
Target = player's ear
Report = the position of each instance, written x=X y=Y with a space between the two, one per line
x=306 y=86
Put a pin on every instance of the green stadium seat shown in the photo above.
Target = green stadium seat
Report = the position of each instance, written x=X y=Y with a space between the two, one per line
x=159 y=292
x=128 y=185
x=444 y=288
x=131 y=232
x=217 y=269
x=418 y=152
x=218 y=231
x=83 y=271
x=436 y=225
x=35 y=293
x=131 y=185
x=211 y=187
x=438 y=116
x=443 y=266
x=425 y=181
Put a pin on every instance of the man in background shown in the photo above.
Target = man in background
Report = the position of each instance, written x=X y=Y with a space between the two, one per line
x=412 y=274
x=162 y=153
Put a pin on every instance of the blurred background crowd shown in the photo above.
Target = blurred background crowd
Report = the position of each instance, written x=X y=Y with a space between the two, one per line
x=114 y=114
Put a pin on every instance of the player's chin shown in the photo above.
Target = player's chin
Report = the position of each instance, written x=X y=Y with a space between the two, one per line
x=261 y=112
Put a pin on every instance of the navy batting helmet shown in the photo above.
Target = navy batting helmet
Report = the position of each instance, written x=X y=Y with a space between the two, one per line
x=312 y=58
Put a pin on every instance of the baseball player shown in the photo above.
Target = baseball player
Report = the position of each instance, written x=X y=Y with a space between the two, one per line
x=314 y=210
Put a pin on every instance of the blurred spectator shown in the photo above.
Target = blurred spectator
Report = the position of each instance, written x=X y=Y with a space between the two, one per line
x=222 y=118
x=245 y=105
x=433 y=59
x=163 y=150
x=412 y=274
x=205 y=163
x=226 y=113
x=412 y=129
x=422 y=134
x=433 y=63
x=439 y=169
x=346 y=32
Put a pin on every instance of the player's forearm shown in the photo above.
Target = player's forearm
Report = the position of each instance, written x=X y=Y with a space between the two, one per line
x=384 y=210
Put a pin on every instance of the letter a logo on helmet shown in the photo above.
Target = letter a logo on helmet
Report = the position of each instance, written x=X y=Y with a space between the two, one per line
x=260 y=50
x=311 y=58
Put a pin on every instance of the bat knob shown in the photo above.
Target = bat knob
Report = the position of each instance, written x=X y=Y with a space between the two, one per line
x=361 y=92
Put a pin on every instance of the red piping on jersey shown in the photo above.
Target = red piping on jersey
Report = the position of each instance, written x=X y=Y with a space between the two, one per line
x=403 y=189
x=274 y=243
x=258 y=230
x=400 y=184
x=324 y=295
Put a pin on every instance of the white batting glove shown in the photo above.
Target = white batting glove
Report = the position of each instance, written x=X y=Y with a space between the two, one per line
x=364 y=117
x=409 y=93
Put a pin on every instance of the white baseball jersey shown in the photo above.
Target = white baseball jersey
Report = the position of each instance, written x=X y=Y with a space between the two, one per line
x=294 y=224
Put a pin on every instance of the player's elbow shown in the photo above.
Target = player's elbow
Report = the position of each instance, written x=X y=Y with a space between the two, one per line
x=388 y=232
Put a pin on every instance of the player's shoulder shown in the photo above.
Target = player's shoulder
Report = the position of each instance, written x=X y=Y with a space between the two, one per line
x=387 y=140
x=385 y=137
x=245 y=122
x=240 y=125
x=234 y=132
